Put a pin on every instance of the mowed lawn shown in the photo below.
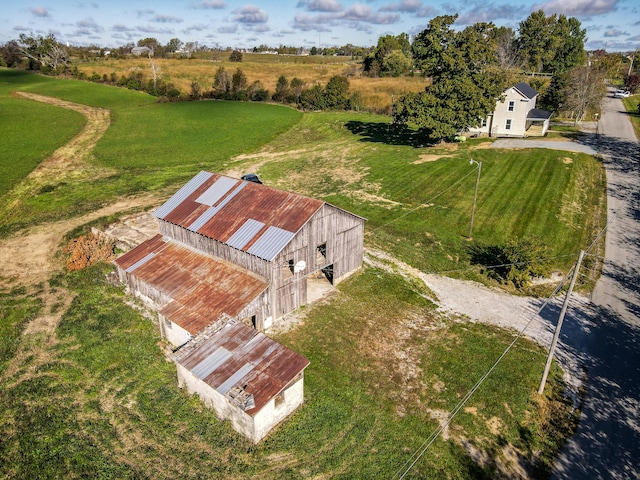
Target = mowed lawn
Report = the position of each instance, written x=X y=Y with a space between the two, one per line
x=101 y=401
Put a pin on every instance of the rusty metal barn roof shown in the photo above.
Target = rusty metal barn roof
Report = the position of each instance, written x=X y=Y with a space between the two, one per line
x=239 y=362
x=202 y=288
x=254 y=218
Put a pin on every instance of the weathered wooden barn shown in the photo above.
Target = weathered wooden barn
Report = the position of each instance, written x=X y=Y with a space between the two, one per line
x=191 y=291
x=232 y=257
x=280 y=236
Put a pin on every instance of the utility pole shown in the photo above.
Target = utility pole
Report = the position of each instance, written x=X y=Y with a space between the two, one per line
x=475 y=196
x=556 y=334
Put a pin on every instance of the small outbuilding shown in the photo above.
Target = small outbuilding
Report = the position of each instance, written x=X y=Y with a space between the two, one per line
x=245 y=377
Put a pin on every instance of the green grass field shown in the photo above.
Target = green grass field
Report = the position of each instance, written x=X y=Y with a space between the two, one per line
x=102 y=402
x=99 y=400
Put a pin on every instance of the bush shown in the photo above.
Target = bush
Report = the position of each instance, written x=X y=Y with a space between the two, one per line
x=515 y=262
x=235 y=56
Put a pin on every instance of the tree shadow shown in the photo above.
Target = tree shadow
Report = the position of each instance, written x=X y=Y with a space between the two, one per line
x=389 y=134
x=607 y=442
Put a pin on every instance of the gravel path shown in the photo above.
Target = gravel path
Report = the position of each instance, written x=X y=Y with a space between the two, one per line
x=563 y=145
x=480 y=303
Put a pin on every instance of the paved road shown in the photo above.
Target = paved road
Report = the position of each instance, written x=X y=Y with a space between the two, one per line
x=605 y=336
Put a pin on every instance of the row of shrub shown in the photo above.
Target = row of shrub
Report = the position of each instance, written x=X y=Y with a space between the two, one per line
x=235 y=86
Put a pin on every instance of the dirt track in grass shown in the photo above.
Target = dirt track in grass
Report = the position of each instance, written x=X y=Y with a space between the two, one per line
x=27 y=258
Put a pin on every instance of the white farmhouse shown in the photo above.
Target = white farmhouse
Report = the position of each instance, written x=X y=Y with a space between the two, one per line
x=515 y=115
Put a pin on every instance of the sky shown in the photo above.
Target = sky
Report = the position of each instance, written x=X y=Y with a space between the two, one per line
x=613 y=25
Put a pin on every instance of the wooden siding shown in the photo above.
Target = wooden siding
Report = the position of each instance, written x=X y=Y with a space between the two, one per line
x=340 y=231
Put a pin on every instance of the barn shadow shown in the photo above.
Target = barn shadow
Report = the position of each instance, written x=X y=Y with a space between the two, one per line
x=388 y=133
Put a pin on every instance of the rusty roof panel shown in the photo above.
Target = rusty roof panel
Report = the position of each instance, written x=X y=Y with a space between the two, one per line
x=202 y=288
x=233 y=203
x=140 y=262
x=182 y=194
x=257 y=364
x=131 y=257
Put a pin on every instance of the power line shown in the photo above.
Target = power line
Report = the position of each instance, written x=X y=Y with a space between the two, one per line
x=420 y=451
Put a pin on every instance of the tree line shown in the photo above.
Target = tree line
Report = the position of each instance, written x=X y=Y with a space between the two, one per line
x=465 y=71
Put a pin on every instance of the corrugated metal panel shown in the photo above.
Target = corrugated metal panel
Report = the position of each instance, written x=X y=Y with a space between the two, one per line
x=217 y=207
x=210 y=213
x=210 y=363
x=257 y=361
x=201 y=287
x=140 y=262
x=271 y=243
x=216 y=191
x=182 y=194
x=202 y=219
x=231 y=382
x=245 y=233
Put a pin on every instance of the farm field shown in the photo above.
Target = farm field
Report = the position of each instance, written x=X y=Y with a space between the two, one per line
x=376 y=93
x=96 y=398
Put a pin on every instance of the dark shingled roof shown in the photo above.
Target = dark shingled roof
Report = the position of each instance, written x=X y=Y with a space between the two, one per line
x=538 y=114
x=525 y=90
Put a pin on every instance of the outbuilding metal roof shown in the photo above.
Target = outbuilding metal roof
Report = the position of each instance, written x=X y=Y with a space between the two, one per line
x=251 y=217
x=202 y=288
x=238 y=358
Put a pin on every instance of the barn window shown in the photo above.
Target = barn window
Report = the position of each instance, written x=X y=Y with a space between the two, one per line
x=321 y=255
x=279 y=400
x=484 y=122
x=287 y=269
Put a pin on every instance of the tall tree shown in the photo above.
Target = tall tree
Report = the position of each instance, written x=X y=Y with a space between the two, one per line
x=465 y=80
x=584 y=91
x=221 y=82
x=174 y=45
x=282 y=89
x=552 y=44
x=391 y=57
x=11 y=54
x=238 y=81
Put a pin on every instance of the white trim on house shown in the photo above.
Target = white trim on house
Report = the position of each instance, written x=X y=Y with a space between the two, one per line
x=513 y=116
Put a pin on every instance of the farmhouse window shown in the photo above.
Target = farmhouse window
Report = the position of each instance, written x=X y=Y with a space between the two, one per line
x=507 y=124
x=484 y=122
x=512 y=105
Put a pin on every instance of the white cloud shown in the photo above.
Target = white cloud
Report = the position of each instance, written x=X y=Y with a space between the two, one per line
x=321 y=5
x=578 y=8
x=166 y=19
x=40 y=12
x=613 y=32
x=211 y=4
x=250 y=14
